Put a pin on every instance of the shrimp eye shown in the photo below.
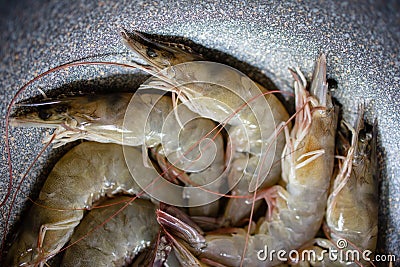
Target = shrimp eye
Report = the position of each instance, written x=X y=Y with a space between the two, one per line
x=61 y=109
x=151 y=53
x=44 y=115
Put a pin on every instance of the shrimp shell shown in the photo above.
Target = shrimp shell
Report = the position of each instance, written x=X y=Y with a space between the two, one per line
x=351 y=219
x=86 y=173
x=352 y=211
x=118 y=241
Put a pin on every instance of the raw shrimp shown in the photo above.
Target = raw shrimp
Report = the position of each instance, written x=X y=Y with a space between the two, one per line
x=130 y=227
x=352 y=211
x=224 y=95
x=297 y=212
x=82 y=176
x=356 y=184
x=220 y=93
x=141 y=119
x=97 y=118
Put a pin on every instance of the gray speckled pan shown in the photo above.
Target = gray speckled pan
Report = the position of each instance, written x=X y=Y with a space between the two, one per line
x=361 y=41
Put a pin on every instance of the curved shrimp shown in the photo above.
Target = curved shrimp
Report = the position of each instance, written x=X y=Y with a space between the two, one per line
x=133 y=224
x=226 y=96
x=216 y=91
x=298 y=210
x=82 y=176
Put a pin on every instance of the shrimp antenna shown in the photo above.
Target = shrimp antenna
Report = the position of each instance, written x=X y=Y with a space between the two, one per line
x=46 y=103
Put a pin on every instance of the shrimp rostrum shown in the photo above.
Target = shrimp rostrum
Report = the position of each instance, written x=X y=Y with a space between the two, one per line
x=296 y=211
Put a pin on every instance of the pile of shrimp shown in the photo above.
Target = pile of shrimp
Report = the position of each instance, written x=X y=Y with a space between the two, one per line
x=200 y=166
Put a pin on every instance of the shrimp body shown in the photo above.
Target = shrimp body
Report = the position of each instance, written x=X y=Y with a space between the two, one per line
x=120 y=118
x=134 y=227
x=101 y=118
x=222 y=94
x=82 y=176
x=352 y=211
x=299 y=208
x=141 y=119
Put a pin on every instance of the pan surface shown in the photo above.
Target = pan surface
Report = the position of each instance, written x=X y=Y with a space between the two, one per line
x=361 y=41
